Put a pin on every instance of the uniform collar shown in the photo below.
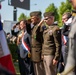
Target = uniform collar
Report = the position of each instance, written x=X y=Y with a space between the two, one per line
x=73 y=12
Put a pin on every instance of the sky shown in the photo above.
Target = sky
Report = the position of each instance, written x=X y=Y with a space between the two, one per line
x=35 y=5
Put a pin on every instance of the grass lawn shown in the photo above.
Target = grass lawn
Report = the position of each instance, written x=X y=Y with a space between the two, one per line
x=17 y=68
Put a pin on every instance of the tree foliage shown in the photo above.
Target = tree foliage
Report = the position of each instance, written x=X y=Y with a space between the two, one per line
x=64 y=7
x=22 y=17
x=53 y=8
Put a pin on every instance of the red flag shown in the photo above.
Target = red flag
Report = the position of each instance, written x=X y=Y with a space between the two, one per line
x=5 y=56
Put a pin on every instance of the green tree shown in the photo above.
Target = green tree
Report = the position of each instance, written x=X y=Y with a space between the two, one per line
x=22 y=17
x=54 y=9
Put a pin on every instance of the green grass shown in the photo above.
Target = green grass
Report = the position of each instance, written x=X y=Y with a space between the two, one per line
x=17 y=68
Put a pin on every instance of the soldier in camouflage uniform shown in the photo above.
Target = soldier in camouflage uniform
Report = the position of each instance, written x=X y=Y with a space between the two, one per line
x=51 y=43
x=36 y=43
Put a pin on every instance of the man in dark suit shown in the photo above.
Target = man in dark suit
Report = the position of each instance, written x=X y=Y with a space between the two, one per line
x=66 y=19
x=24 y=46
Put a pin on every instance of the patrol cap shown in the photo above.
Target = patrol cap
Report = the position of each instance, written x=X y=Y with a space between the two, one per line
x=48 y=14
x=35 y=13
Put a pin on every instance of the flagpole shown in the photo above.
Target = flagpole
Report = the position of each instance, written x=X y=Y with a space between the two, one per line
x=15 y=14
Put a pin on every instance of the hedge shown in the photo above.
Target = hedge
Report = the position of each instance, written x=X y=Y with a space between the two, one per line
x=13 y=49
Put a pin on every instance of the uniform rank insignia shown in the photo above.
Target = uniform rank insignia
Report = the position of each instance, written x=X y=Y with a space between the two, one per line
x=50 y=32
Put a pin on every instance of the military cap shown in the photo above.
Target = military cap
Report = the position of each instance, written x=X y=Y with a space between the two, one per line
x=35 y=13
x=48 y=14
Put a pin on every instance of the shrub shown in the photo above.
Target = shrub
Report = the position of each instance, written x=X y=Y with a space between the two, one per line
x=13 y=49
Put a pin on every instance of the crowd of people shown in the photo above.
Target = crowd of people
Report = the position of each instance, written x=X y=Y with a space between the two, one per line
x=43 y=47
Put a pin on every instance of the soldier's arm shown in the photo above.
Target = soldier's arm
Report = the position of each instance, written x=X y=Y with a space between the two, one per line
x=41 y=26
x=41 y=22
x=57 y=40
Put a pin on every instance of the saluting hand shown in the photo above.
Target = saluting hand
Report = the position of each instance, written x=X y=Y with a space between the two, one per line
x=41 y=22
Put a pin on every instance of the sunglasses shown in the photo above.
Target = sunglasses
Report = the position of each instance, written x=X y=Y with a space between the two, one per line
x=47 y=18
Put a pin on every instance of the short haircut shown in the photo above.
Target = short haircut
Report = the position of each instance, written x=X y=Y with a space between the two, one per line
x=24 y=21
x=68 y=14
